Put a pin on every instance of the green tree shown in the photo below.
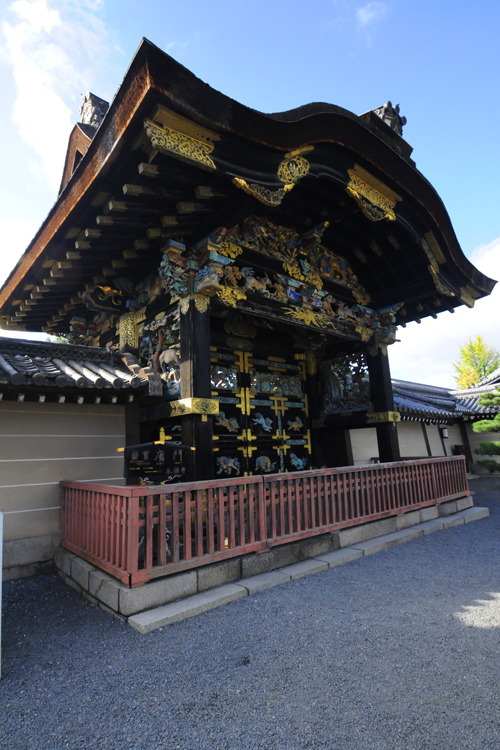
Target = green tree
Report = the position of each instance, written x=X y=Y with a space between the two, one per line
x=476 y=361
x=491 y=448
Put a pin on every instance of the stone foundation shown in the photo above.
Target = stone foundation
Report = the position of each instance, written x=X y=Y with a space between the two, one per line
x=107 y=592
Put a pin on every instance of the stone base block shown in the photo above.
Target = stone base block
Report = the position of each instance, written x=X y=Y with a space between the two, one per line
x=305 y=568
x=145 y=622
x=341 y=556
x=351 y=537
x=264 y=581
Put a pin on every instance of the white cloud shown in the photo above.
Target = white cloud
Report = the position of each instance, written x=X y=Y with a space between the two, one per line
x=371 y=13
x=427 y=351
x=54 y=50
x=15 y=236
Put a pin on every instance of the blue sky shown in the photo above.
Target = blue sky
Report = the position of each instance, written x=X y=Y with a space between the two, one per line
x=438 y=60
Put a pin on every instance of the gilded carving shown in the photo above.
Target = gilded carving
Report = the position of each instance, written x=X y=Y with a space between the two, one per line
x=184 y=305
x=178 y=144
x=194 y=406
x=201 y=303
x=128 y=330
x=380 y=417
x=439 y=284
x=372 y=202
x=293 y=168
x=230 y=296
x=262 y=194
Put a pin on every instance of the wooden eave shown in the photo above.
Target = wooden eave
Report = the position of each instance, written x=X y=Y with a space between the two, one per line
x=118 y=209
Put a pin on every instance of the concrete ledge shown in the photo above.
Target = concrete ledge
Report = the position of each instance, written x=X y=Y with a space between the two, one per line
x=475 y=514
x=105 y=589
x=429 y=527
x=80 y=572
x=218 y=574
x=388 y=540
x=305 y=568
x=464 y=502
x=341 y=556
x=453 y=521
x=288 y=554
x=156 y=593
x=429 y=513
x=350 y=537
x=145 y=622
x=446 y=509
x=264 y=581
x=406 y=520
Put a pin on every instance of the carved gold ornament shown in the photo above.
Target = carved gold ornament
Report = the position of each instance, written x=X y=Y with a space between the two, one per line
x=194 y=406
x=128 y=330
x=374 y=204
x=201 y=302
x=439 y=284
x=309 y=317
x=230 y=296
x=229 y=249
x=172 y=142
x=380 y=417
x=292 y=169
x=262 y=194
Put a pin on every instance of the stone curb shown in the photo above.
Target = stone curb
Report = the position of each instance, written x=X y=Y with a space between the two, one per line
x=146 y=622
x=152 y=619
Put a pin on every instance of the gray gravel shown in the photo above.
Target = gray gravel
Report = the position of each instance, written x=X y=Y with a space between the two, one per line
x=397 y=650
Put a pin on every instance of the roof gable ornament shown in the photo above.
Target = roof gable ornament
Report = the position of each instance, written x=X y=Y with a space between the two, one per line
x=390 y=115
x=92 y=110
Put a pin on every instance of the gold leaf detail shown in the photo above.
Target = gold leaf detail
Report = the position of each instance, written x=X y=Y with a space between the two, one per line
x=201 y=302
x=177 y=144
x=262 y=194
x=293 y=169
x=373 y=203
x=230 y=296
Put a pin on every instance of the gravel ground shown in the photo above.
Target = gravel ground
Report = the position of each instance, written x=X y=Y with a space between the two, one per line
x=398 y=650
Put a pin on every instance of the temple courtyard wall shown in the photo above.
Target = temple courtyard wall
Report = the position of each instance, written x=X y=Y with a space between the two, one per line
x=40 y=445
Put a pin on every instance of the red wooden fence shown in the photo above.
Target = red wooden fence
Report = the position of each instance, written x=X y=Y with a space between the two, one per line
x=139 y=533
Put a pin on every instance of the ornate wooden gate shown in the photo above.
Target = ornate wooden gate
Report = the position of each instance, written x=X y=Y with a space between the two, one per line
x=263 y=421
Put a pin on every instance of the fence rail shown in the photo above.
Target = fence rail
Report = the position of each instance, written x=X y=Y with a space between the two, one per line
x=140 y=533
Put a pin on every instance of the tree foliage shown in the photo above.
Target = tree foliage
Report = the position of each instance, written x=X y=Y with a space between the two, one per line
x=476 y=361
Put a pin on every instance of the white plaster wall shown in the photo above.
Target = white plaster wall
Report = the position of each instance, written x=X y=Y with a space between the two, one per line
x=364 y=445
x=41 y=444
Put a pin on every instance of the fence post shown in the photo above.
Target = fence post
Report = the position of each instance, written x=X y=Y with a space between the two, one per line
x=433 y=481
x=261 y=502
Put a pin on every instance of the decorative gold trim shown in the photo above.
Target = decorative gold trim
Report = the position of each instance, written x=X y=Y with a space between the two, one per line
x=201 y=302
x=262 y=194
x=439 y=284
x=230 y=296
x=194 y=406
x=229 y=249
x=292 y=169
x=434 y=248
x=309 y=317
x=379 y=417
x=179 y=145
x=372 y=202
x=127 y=326
x=184 y=305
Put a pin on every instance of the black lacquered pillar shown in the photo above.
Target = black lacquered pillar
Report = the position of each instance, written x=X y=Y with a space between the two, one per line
x=383 y=405
x=197 y=429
